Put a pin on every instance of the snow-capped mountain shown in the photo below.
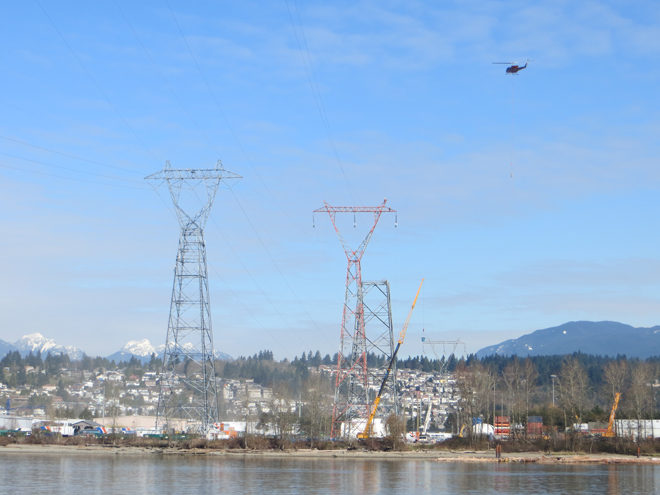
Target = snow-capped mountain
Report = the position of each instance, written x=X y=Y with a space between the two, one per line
x=143 y=350
x=35 y=342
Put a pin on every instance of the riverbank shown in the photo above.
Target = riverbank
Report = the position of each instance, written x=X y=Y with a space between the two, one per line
x=429 y=455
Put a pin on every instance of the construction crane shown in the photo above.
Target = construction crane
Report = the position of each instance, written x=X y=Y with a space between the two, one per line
x=462 y=432
x=610 y=426
x=368 y=429
x=427 y=420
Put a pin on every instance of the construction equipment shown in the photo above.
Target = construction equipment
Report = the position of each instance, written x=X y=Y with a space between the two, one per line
x=462 y=432
x=368 y=429
x=610 y=426
x=427 y=420
x=352 y=404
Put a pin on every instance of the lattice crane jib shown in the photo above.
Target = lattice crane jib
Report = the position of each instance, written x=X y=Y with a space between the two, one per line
x=187 y=384
x=351 y=405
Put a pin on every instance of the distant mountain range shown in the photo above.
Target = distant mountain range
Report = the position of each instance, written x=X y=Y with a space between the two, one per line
x=35 y=342
x=143 y=350
x=605 y=338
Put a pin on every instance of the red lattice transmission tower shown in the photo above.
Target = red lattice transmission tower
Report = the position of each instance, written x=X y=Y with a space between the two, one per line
x=351 y=406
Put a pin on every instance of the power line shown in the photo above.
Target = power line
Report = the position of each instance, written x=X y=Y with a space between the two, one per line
x=165 y=80
x=68 y=155
x=258 y=286
x=94 y=81
x=277 y=267
x=229 y=126
x=316 y=92
x=69 y=178
x=250 y=275
x=155 y=188
x=244 y=212
x=236 y=138
x=70 y=169
x=250 y=312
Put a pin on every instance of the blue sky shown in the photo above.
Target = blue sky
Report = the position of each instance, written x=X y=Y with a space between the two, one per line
x=95 y=96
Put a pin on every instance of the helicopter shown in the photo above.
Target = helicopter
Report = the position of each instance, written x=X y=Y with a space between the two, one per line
x=514 y=68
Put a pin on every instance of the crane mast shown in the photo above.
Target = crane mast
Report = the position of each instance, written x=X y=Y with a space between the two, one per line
x=610 y=425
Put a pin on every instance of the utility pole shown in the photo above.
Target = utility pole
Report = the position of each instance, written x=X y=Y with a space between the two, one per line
x=352 y=379
x=189 y=332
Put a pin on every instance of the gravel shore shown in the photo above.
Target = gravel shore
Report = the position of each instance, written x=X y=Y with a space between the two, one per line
x=429 y=455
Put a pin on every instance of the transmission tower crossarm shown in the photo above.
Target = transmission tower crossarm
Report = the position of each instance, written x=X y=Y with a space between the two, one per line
x=376 y=210
x=355 y=209
x=168 y=173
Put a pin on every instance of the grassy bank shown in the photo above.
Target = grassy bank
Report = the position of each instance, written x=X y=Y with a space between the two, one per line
x=577 y=445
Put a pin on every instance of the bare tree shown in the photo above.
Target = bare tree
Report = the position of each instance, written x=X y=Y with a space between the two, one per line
x=281 y=418
x=317 y=409
x=396 y=429
x=640 y=393
x=616 y=374
x=512 y=379
x=474 y=384
x=529 y=376
x=573 y=386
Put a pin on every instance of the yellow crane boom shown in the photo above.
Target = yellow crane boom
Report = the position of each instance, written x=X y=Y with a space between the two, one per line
x=368 y=429
x=610 y=425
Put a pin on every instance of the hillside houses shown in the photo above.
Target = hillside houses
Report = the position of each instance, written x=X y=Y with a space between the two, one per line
x=52 y=393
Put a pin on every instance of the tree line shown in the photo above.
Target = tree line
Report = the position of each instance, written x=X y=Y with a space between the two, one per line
x=563 y=390
x=584 y=385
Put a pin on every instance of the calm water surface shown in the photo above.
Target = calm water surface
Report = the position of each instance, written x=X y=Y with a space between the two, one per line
x=73 y=475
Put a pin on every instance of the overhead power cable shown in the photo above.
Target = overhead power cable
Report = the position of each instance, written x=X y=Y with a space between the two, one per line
x=94 y=81
x=69 y=178
x=69 y=155
x=251 y=276
x=155 y=188
x=250 y=312
x=71 y=169
x=165 y=80
x=277 y=267
x=263 y=293
x=229 y=126
x=316 y=92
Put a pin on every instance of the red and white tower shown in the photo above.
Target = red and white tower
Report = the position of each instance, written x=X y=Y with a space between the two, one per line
x=351 y=407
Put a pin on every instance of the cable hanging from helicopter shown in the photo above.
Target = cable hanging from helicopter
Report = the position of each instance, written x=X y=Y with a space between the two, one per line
x=513 y=69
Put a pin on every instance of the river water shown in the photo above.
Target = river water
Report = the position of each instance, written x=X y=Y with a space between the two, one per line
x=164 y=475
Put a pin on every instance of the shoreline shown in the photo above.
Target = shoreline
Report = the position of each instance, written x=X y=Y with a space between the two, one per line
x=479 y=457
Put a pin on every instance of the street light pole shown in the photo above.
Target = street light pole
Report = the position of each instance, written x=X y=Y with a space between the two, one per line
x=553 y=389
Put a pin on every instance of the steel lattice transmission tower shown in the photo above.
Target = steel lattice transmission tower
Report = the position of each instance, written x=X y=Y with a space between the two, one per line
x=379 y=330
x=351 y=406
x=187 y=380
